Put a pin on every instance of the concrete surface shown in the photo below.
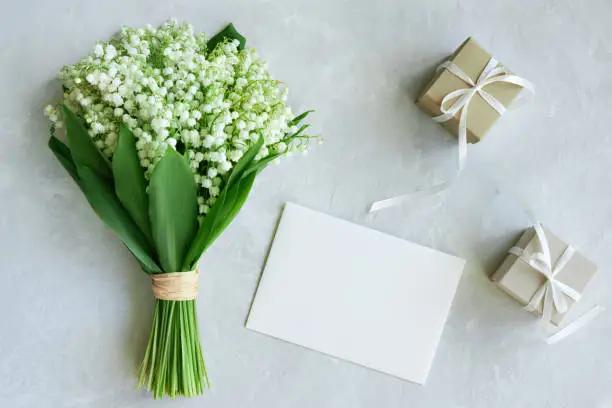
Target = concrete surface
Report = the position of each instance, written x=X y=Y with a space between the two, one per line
x=76 y=310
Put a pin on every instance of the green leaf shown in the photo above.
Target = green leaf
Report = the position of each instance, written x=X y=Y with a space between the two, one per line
x=62 y=153
x=299 y=118
x=245 y=161
x=299 y=131
x=130 y=184
x=104 y=202
x=235 y=189
x=173 y=210
x=258 y=166
x=228 y=32
x=227 y=206
x=84 y=151
x=236 y=197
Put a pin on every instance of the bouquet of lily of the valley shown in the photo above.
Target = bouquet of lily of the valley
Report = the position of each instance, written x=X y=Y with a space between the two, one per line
x=166 y=132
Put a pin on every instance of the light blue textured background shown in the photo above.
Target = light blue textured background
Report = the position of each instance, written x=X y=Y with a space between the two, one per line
x=76 y=311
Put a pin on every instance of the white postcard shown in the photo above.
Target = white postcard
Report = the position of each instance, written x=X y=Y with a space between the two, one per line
x=355 y=293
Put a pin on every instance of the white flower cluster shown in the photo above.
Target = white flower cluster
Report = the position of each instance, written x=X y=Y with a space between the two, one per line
x=172 y=92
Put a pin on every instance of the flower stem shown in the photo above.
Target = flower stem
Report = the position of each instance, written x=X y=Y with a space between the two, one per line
x=173 y=363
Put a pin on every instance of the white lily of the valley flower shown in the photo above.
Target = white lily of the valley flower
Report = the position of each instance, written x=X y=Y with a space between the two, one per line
x=211 y=106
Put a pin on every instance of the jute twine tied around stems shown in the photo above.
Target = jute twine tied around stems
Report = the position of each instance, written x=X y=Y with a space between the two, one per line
x=175 y=285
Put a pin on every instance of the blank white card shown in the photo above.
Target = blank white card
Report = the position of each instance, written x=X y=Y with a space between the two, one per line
x=355 y=293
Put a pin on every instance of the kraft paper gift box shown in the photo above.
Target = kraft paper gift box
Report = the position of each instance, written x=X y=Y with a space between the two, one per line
x=521 y=281
x=472 y=59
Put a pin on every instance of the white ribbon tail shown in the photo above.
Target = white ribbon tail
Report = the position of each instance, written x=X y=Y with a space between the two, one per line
x=548 y=308
x=459 y=101
x=397 y=200
x=559 y=301
x=568 y=290
x=462 y=139
x=575 y=325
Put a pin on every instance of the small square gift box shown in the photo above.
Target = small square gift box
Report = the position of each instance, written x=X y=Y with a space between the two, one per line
x=545 y=274
x=470 y=92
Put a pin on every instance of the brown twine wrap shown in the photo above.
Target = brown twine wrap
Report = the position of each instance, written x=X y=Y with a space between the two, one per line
x=175 y=285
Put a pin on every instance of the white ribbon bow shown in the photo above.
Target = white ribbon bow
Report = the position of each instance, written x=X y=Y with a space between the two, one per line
x=459 y=101
x=550 y=296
